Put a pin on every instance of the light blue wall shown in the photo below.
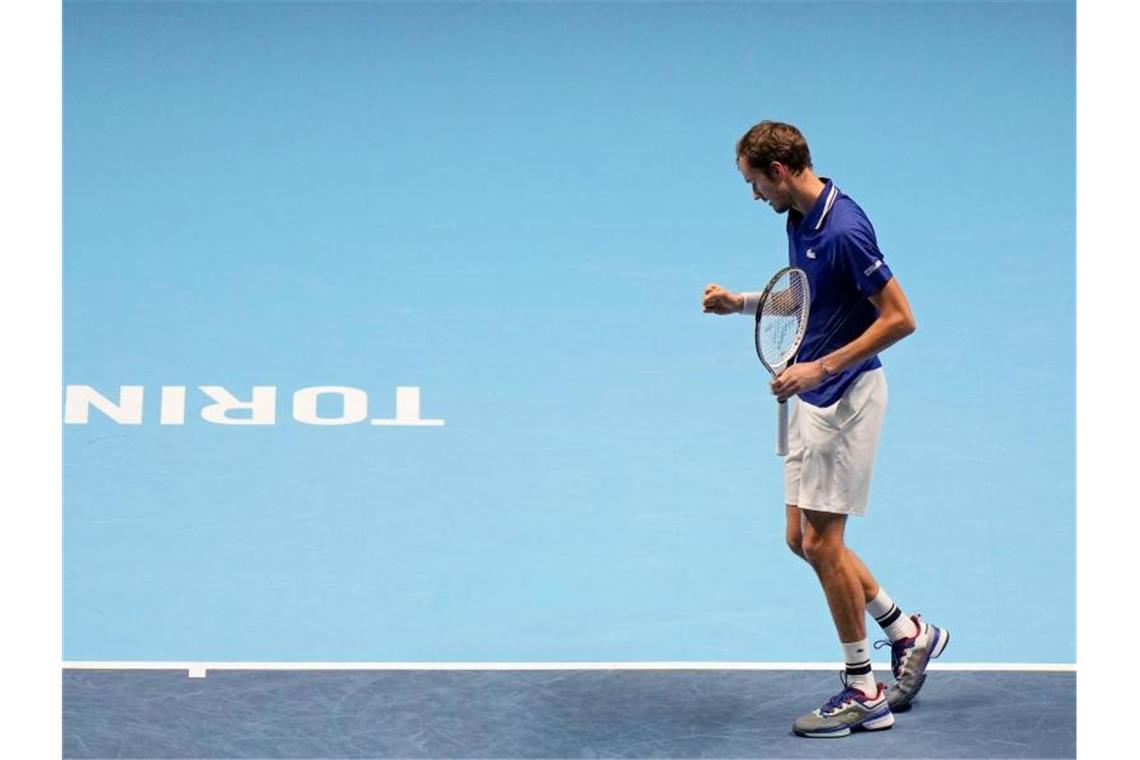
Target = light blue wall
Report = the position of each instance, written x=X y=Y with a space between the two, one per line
x=515 y=208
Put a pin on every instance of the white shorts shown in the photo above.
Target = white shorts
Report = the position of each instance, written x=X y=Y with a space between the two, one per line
x=831 y=449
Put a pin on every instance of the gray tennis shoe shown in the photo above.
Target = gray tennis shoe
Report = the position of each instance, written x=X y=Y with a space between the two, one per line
x=909 y=658
x=849 y=709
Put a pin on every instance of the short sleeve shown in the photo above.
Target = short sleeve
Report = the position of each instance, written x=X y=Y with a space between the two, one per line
x=862 y=258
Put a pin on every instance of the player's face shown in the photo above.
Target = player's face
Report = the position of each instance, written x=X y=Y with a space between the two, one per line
x=776 y=193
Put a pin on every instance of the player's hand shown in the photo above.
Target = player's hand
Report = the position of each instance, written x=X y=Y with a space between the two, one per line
x=797 y=379
x=717 y=300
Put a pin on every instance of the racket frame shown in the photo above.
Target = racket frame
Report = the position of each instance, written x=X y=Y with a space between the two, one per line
x=782 y=406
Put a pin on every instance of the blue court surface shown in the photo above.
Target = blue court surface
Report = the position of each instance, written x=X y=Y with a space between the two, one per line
x=547 y=714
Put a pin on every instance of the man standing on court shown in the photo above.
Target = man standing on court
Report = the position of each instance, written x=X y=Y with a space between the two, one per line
x=858 y=309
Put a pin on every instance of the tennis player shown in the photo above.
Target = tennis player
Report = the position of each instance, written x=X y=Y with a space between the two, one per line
x=858 y=309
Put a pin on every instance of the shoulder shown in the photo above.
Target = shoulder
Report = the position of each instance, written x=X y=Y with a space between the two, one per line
x=848 y=217
x=849 y=230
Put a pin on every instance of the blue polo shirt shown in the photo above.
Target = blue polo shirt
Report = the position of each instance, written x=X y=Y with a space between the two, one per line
x=835 y=244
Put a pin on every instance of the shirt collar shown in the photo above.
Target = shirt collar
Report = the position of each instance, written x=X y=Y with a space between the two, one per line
x=823 y=205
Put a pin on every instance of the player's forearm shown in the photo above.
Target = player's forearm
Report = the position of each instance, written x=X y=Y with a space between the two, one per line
x=884 y=332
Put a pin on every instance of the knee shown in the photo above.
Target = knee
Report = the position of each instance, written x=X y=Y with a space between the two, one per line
x=821 y=550
x=795 y=540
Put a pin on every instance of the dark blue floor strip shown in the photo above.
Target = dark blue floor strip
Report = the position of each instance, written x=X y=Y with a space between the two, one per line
x=547 y=714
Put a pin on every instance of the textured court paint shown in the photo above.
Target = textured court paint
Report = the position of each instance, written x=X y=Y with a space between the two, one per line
x=514 y=207
x=657 y=714
x=201 y=669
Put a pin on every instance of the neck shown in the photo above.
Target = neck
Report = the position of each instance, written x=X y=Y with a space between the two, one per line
x=806 y=189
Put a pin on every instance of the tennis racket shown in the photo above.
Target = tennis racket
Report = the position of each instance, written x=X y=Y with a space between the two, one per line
x=781 y=320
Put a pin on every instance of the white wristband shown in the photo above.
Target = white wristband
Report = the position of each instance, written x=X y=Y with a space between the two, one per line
x=751 y=304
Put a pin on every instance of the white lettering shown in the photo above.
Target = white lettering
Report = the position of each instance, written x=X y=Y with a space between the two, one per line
x=408 y=409
x=262 y=408
x=355 y=405
x=173 y=405
x=80 y=398
x=223 y=408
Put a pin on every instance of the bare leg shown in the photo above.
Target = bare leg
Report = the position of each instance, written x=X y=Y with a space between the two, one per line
x=824 y=549
x=794 y=534
x=867 y=581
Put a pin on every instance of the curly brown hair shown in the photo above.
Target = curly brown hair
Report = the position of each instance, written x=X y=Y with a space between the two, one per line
x=771 y=141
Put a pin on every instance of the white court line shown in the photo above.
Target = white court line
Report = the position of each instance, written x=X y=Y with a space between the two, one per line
x=199 y=669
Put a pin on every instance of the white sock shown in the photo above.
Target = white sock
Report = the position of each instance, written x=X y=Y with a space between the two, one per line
x=857 y=658
x=890 y=618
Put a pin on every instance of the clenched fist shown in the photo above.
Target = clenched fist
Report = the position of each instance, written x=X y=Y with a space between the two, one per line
x=717 y=300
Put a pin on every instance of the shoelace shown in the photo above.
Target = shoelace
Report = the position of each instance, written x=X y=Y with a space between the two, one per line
x=898 y=652
x=848 y=693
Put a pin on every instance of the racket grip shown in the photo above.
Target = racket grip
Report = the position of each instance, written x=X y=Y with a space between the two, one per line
x=782 y=428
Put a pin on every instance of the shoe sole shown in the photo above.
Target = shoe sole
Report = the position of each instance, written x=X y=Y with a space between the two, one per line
x=879 y=722
x=941 y=641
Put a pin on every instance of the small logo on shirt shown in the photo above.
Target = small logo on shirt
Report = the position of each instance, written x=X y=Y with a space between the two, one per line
x=810 y=253
x=878 y=263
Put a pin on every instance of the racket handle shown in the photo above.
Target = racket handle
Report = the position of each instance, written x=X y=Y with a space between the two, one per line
x=782 y=428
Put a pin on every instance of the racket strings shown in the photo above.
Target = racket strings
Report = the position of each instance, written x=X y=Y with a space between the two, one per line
x=781 y=320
